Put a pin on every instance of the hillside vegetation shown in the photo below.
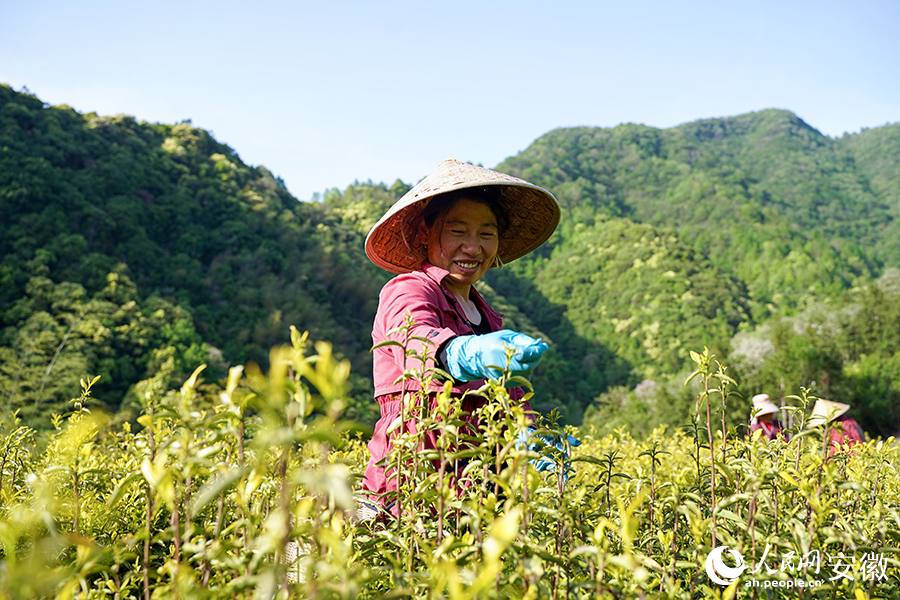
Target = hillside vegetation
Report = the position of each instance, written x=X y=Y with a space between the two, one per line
x=174 y=221
x=765 y=196
x=772 y=220
x=138 y=251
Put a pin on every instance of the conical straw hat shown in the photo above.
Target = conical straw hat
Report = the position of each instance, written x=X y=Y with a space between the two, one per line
x=826 y=410
x=533 y=216
x=762 y=406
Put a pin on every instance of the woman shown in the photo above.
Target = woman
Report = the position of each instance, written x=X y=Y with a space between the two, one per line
x=843 y=431
x=441 y=238
x=762 y=416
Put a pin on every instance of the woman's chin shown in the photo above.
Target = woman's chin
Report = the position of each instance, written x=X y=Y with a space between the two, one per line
x=463 y=279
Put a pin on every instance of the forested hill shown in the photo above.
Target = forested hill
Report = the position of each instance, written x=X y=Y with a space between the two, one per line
x=137 y=251
x=768 y=198
x=787 y=228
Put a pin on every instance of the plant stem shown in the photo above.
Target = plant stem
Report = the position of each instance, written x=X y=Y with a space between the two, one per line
x=712 y=463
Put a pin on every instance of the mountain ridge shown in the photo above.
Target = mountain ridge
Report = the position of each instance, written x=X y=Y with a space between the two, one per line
x=670 y=239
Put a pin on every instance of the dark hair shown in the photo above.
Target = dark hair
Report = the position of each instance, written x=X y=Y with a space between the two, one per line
x=437 y=208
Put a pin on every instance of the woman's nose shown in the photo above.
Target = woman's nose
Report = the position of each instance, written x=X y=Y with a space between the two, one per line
x=470 y=244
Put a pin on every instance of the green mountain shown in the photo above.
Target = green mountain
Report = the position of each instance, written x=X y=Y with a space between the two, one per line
x=773 y=219
x=765 y=196
x=139 y=250
x=185 y=226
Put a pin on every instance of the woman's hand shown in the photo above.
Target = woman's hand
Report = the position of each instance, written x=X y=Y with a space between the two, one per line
x=553 y=449
x=471 y=357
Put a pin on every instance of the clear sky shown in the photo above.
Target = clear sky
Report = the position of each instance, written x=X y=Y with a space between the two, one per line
x=324 y=93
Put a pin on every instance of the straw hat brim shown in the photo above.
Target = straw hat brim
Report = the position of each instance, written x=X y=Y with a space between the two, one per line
x=764 y=408
x=826 y=410
x=533 y=216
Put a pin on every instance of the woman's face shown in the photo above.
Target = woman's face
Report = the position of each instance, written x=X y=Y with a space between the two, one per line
x=465 y=244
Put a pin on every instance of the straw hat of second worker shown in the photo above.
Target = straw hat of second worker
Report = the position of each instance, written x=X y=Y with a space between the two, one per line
x=762 y=406
x=533 y=213
x=825 y=410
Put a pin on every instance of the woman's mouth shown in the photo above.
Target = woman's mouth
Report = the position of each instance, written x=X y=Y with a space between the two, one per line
x=467 y=266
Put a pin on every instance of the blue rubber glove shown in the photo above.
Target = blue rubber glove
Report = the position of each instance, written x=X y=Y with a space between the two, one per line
x=536 y=443
x=471 y=357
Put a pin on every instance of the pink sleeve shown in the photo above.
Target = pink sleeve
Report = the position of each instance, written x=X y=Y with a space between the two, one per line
x=427 y=334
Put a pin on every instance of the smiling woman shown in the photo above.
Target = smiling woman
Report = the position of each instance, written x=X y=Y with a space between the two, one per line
x=441 y=238
x=464 y=240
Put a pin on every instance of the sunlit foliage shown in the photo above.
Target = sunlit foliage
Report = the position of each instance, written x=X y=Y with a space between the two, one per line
x=251 y=494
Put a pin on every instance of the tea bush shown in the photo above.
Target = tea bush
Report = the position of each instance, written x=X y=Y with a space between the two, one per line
x=253 y=493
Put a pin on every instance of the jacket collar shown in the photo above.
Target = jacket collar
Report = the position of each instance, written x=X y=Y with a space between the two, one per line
x=435 y=273
x=438 y=274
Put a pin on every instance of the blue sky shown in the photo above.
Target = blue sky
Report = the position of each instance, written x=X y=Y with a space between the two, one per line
x=325 y=93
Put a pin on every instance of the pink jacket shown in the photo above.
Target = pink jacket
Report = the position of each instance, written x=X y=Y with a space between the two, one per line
x=770 y=431
x=844 y=431
x=438 y=317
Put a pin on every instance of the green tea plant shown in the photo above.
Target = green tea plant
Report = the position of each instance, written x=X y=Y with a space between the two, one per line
x=252 y=492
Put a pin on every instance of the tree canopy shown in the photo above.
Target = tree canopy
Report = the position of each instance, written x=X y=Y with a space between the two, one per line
x=137 y=250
